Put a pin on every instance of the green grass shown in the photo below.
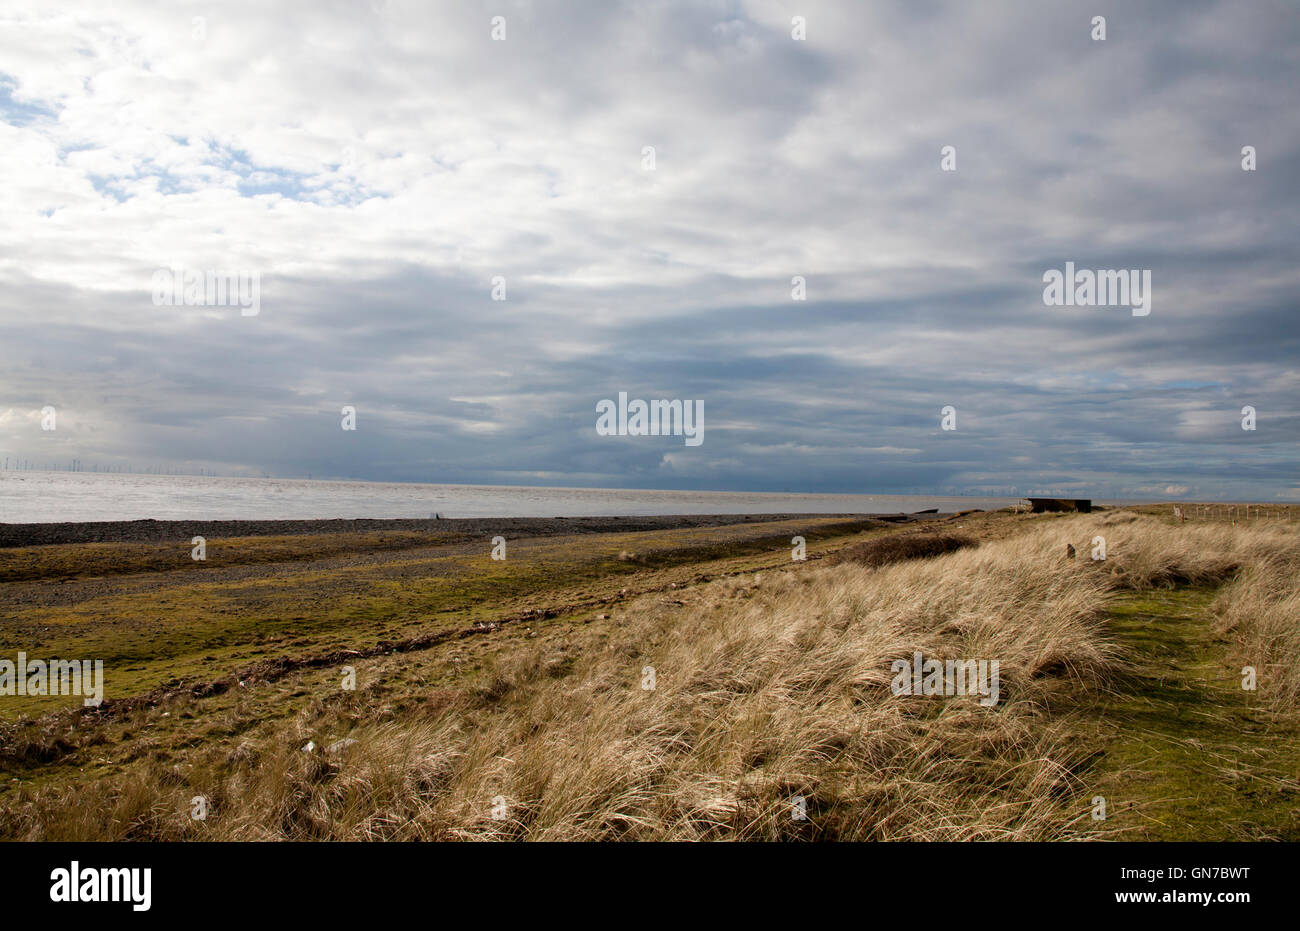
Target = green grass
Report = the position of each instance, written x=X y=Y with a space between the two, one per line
x=1186 y=753
x=192 y=624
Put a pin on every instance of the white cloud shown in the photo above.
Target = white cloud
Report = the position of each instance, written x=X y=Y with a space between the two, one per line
x=378 y=164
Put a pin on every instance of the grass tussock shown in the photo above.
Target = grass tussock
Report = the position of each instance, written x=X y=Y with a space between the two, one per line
x=1260 y=611
x=900 y=547
x=721 y=715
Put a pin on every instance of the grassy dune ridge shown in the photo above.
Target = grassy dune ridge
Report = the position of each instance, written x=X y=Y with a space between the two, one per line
x=163 y=619
x=771 y=695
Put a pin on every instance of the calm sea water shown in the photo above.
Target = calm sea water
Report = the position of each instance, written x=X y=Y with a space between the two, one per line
x=43 y=497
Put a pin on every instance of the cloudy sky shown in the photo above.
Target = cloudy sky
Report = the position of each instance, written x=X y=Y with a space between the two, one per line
x=379 y=164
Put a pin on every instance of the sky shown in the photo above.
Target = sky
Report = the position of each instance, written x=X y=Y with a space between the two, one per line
x=383 y=168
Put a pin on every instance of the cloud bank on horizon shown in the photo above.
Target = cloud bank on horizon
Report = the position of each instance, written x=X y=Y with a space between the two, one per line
x=384 y=167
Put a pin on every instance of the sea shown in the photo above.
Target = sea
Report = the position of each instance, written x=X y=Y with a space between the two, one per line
x=51 y=497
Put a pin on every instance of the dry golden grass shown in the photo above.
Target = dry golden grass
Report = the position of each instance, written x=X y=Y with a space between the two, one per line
x=1259 y=608
x=898 y=547
x=766 y=690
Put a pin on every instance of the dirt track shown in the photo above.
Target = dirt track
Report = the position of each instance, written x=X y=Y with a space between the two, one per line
x=163 y=531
